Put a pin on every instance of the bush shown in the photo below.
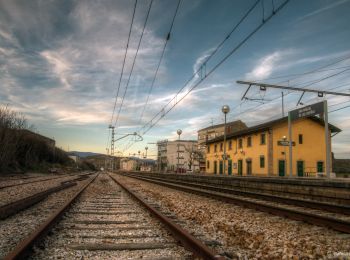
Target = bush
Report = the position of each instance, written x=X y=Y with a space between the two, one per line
x=20 y=148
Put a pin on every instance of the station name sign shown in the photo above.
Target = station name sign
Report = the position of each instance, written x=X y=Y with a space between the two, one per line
x=284 y=143
x=310 y=110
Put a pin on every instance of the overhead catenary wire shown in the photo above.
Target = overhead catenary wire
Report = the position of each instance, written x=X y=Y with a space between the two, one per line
x=298 y=76
x=319 y=69
x=160 y=61
x=123 y=65
x=211 y=55
x=339 y=109
x=163 y=111
x=134 y=61
x=309 y=83
x=216 y=66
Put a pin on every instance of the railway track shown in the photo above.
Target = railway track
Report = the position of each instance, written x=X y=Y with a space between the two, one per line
x=317 y=213
x=19 y=181
x=103 y=220
x=16 y=206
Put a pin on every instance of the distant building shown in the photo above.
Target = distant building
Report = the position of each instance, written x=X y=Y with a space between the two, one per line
x=75 y=158
x=341 y=167
x=211 y=132
x=179 y=155
x=101 y=161
x=137 y=164
x=214 y=131
x=259 y=150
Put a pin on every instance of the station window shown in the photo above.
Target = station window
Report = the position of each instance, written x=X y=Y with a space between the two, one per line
x=221 y=146
x=262 y=161
x=208 y=149
x=300 y=139
x=249 y=141
x=263 y=139
x=215 y=148
x=208 y=164
x=240 y=143
x=230 y=145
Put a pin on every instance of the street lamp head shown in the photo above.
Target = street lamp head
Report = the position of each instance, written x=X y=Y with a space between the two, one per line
x=225 y=109
x=146 y=148
x=179 y=131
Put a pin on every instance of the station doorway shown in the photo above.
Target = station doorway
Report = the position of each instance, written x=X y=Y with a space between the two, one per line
x=249 y=167
x=240 y=167
x=229 y=168
x=300 y=168
x=281 y=167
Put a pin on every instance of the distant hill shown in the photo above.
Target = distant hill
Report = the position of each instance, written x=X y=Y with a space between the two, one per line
x=83 y=154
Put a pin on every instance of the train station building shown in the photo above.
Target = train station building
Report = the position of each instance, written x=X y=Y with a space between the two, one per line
x=260 y=150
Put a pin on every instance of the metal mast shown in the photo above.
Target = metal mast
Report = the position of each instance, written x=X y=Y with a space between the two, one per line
x=112 y=145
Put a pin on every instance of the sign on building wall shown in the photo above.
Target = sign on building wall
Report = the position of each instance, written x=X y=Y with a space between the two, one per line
x=284 y=143
x=306 y=111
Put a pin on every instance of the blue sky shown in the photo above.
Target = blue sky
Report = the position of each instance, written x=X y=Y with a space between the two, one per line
x=60 y=63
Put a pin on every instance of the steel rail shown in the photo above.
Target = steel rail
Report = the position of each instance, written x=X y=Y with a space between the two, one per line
x=341 y=209
x=12 y=208
x=314 y=219
x=186 y=239
x=22 y=250
x=35 y=181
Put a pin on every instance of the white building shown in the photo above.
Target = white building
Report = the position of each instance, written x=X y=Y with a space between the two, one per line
x=137 y=164
x=181 y=156
x=75 y=158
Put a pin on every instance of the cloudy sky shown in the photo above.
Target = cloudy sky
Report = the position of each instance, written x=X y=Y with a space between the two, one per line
x=61 y=61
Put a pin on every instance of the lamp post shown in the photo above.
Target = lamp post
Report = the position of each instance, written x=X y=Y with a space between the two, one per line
x=284 y=138
x=146 y=148
x=225 y=109
x=179 y=132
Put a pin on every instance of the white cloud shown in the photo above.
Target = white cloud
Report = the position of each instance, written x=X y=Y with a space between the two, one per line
x=60 y=66
x=265 y=66
x=323 y=9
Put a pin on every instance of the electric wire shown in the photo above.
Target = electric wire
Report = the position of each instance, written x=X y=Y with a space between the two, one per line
x=123 y=66
x=160 y=60
x=338 y=109
x=152 y=123
x=217 y=48
x=217 y=65
x=133 y=63
x=309 y=83
x=319 y=69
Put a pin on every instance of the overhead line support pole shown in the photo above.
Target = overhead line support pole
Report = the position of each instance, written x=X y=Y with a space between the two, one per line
x=245 y=93
x=300 y=98
x=328 y=148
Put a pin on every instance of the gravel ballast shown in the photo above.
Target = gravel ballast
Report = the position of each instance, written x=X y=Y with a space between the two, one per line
x=18 y=226
x=245 y=233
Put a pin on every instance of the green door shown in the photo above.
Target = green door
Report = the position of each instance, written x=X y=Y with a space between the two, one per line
x=281 y=167
x=240 y=165
x=319 y=166
x=249 y=167
x=221 y=167
x=215 y=167
x=229 y=168
x=300 y=168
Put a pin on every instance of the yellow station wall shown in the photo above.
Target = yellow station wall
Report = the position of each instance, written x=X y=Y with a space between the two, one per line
x=312 y=150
